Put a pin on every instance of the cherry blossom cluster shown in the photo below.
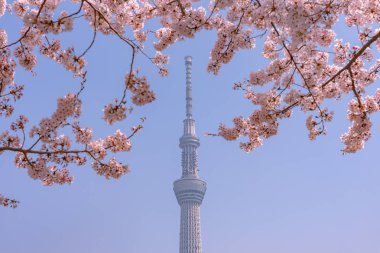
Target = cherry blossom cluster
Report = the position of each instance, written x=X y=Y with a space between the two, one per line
x=10 y=94
x=140 y=89
x=160 y=60
x=114 y=112
x=112 y=169
x=3 y=5
x=50 y=153
x=118 y=142
x=82 y=135
x=9 y=91
x=8 y=202
x=358 y=114
x=303 y=71
x=307 y=64
x=9 y=140
x=67 y=106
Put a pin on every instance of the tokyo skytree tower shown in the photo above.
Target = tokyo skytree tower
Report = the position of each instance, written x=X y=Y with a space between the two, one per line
x=189 y=189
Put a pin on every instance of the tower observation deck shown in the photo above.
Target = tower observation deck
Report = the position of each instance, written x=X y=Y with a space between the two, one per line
x=189 y=189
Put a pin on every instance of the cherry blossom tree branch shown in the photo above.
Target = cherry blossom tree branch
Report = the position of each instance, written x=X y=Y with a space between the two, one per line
x=353 y=59
x=298 y=70
x=38 y=152
x=27 y=31
x=72 y=14
x=11 y=93
x=181 y=7
x=354 y=88
x=93 y=37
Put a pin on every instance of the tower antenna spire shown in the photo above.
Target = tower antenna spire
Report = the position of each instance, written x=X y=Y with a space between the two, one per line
x=189 y=99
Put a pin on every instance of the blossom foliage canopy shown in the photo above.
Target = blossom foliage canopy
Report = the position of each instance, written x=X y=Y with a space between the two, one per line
x=307 y=65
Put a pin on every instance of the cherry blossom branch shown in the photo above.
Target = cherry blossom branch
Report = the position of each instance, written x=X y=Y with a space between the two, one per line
x=129 y=42
x=181 y=7
x=130 y=77
x=310 y=93
x=354 y=89
x=134 y=48
x=298 y=70
x=209 y=16
x=212 y=11
x=287 y=84
x=31 y=151
x=136 y=129
x=27 y=31
x=82 y=84
x=23 y=137
x=93 y=38
x=71 y=15
x=12 y=92
x=25 y=152
x=289 y=107
x=354 y=58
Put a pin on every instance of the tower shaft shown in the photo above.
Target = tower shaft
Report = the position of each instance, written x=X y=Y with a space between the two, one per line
x=190 y=233
x=189 y=189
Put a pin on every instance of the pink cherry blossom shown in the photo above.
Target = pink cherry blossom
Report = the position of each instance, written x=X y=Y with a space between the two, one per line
x=307 y=64
x=118 y=142
x=3 y=5
x=8 y=202
x=20 y=7
x=3 y=38
x=114 y=113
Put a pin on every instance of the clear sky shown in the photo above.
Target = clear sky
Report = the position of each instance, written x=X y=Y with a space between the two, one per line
x=289 y=196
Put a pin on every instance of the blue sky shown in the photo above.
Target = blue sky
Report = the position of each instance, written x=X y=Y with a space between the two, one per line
x=289 y=196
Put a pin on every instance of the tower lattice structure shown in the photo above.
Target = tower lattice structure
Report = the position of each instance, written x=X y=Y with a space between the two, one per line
x=190 y=188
